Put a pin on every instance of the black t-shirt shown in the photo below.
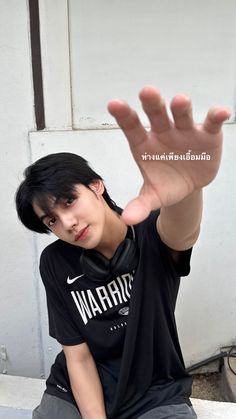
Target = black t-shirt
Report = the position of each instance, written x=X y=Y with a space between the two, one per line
x=127 y=322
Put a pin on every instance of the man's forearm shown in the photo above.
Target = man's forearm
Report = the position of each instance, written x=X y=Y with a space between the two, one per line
x=87 y=389
x=179 y=224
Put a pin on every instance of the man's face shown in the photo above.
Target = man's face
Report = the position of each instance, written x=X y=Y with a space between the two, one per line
x=78 y=221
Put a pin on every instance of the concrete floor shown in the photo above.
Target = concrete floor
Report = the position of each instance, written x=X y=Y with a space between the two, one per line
x=11 y=413
x=19 y=396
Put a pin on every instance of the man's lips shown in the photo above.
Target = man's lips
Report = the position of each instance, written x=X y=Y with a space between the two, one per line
x=81 y=234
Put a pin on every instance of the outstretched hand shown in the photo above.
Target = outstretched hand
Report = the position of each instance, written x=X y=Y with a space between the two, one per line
x=168 y=154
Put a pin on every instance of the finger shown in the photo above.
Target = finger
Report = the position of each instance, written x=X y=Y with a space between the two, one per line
x=128 y=121
x=136 y=211
x=155 y=108
x=139 y=208
x=215 y=119
x=181 y=109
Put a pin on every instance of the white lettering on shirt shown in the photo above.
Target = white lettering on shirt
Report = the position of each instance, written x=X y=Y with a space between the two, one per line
x=104 y=297
x=114 y=290
x=82 y=305
x=122 y=288
x=95 y=301
x=128 y=284
x=94 y=305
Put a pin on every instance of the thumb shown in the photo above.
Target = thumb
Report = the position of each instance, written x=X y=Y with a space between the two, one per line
x=136 y=211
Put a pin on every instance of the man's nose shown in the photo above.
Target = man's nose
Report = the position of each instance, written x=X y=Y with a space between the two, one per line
x=69 y=221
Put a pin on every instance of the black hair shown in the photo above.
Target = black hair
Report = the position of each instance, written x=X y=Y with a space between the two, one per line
x=49 y=180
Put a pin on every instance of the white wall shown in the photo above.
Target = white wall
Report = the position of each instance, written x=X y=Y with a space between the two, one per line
x=206 y=309
x=179 y=46
x=91 y=53
x=19 y=323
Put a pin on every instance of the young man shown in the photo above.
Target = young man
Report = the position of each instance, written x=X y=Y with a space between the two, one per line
x=111 y=289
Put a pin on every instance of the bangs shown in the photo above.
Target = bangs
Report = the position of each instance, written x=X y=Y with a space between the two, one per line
x=47 y=200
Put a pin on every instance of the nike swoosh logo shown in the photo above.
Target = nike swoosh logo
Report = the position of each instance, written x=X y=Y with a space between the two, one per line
x=70 y=281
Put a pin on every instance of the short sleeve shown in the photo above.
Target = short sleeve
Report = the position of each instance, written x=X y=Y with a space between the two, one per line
x=61 y=324
x=182 y=265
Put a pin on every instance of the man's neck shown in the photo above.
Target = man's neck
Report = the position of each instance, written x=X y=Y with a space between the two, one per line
x=114 y=233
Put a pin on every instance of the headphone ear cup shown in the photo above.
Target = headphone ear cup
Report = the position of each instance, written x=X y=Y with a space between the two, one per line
x=125 y=258
x=94 y=265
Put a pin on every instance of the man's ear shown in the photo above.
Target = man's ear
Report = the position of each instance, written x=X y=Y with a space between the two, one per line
x=97 y=186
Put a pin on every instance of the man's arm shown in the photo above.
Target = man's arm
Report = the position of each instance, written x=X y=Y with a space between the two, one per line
x=179 y=224
x=85 y=382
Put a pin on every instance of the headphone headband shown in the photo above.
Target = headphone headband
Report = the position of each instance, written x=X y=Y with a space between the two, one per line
x=125 y=259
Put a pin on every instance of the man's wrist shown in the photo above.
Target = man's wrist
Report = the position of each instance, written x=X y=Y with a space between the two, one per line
x=179 y=225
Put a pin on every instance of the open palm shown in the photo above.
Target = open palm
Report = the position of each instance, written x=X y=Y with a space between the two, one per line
x=174 y=157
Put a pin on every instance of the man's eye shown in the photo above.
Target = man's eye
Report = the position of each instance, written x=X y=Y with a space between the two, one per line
x=69 y=201
x=51 y=222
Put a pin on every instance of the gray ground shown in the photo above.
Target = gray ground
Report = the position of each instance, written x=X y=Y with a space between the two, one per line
x=207 y=386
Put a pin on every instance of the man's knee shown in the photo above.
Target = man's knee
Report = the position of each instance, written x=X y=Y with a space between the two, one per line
x=174 y=411
x=55 y=408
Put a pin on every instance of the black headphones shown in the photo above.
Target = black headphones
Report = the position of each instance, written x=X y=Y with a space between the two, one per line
x=98 y=268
